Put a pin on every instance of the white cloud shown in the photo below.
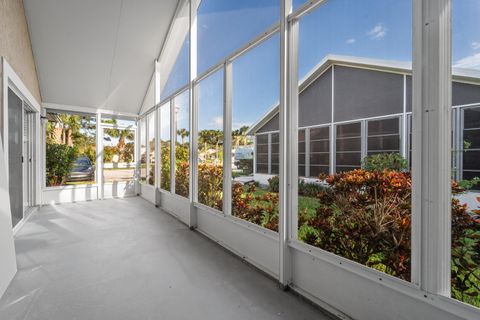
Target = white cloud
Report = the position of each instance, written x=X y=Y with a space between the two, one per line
x=351 y=41
x=377 y=32
x=217 y=122
x=475 y=45
x=470 y=62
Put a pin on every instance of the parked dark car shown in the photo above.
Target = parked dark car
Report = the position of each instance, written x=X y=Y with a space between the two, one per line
x=82 y=170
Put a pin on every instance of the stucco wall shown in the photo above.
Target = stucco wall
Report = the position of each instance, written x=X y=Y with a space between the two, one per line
x=15 y=46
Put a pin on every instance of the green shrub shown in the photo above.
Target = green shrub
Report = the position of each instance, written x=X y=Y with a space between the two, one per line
x=182 y=175
x=309 y=189
x=306 y=189
x=58 y=162
x=469 y=184
x=385 y=161
x=274 y=184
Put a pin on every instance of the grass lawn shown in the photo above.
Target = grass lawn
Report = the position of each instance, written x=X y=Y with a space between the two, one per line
x=305 y=204
x=79 y=182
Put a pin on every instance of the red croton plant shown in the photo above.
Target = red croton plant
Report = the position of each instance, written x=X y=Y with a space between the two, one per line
x=365 y=216
x=259 y=209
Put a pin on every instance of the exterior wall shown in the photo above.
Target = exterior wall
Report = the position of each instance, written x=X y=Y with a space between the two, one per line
x=15 y=46
x=271 y=125
x=361 y=93
x=315 y=102
x=463 y=93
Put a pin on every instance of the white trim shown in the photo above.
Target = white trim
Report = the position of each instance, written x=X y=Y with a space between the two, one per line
x=92 y=110
x=288 y=53
x=227 y=137
x=13 y=81
x=99 y=156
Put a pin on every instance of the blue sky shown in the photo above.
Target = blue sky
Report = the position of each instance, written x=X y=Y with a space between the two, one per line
x=378 y=29
x=466 y=33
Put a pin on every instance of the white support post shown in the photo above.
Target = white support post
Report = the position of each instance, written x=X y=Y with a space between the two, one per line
x=157 y=126
x=99 y=158
x=137 y=157
x=404 y=134
x=227 y=138
x=332 y=129
x=173 y=136
x=193 y=107
x=363 y=139
x=285 y=261
x=431 y=233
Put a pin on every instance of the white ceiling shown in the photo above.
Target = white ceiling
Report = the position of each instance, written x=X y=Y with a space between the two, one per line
x=97 y=53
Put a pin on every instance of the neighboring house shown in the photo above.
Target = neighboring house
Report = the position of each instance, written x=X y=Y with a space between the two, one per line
x=352 y=107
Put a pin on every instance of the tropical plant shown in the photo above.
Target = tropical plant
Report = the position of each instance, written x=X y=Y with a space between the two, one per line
x=211 y=138
x=239 y=136
x=122 y=135
x=165 y=165
x=59 y=160
x=210 y=185
x=274 y=184
x=108 y=153
x=365 y=217
x=182 y=178
x=261 y=209
x=183 y=133
x=385 y=161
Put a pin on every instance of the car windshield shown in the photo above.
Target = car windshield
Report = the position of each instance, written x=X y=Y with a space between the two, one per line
x=82 y=162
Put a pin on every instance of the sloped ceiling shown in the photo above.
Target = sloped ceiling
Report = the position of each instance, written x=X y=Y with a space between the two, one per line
x=97 y=53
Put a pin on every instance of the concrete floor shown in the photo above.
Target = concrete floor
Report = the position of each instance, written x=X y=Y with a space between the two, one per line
x=125 y=259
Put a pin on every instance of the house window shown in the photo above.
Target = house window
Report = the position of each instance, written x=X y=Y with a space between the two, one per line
x=383 y=136
x=471 y=144
x=274 y=153
x=262 y=154
x=348 y=154
x=319 y=151
x=301 y=153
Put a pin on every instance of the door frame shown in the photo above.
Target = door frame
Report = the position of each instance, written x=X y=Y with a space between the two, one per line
x=12 y=81
x=100 y=168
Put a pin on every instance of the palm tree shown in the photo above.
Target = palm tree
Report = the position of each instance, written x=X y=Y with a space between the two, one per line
x=239 y=136
x=212 y=138
x=183 y=133
x=122 y=135
x=216 y=138
x=203 y=138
